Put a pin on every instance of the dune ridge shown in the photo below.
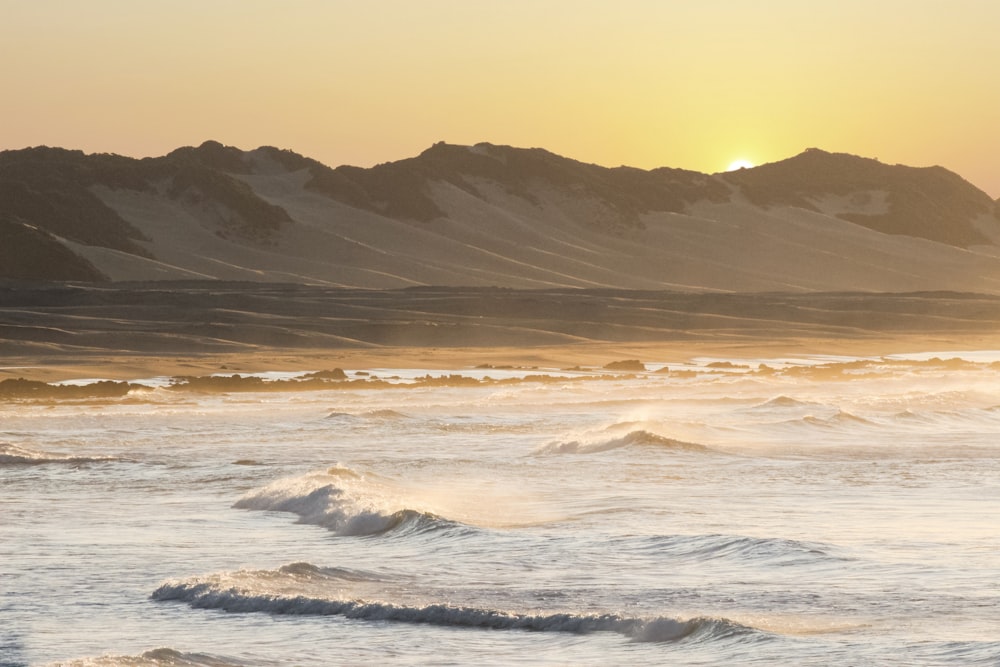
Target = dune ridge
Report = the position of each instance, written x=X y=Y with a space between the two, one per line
x=495 y=216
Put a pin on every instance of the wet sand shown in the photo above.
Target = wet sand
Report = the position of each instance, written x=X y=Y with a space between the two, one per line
x=132 y=331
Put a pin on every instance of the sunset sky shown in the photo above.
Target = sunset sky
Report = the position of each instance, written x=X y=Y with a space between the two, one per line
x=645 y=83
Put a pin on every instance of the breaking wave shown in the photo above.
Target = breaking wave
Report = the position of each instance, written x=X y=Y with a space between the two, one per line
x=344 y=502
x=13 y=455
x=160 y=657
x=208 y=595
x=639 y=438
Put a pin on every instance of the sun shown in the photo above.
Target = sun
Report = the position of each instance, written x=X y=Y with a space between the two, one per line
x=739 y=164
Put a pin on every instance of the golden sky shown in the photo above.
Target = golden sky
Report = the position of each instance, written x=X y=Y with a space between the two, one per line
x=645 y=83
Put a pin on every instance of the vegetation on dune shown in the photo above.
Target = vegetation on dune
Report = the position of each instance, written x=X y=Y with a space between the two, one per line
x=29 y=253
x=48 y=188
x=400 y=189
x=52 y=190
x=931 y=202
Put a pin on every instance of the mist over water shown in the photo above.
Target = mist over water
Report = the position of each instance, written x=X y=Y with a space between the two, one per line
x=824 y=511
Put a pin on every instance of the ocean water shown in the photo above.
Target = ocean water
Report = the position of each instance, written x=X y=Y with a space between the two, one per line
x=796 y=511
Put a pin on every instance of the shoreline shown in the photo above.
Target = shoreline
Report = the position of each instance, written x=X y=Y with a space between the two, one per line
x=64 y=366
x=131 y=331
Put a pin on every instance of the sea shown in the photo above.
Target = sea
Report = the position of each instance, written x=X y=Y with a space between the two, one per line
x=809 y=510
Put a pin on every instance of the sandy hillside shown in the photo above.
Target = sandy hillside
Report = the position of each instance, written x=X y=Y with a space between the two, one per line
x=498 y=216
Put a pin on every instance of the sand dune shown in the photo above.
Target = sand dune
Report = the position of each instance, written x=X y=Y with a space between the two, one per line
x=505 y=217
x=482 y=253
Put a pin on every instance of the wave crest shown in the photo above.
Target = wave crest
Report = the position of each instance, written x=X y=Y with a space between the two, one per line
x=159 y=657
x=207 y=595
x=14 y=455
x=775 y=551
x=638 y=438
x=374 y=415
x=841 y=418
x=302 y=570
x=783 y=401
x=342 y=501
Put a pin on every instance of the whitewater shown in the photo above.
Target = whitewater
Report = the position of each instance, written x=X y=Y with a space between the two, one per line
x=807 y=511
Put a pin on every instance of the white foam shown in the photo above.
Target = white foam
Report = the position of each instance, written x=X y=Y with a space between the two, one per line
x=338 y=499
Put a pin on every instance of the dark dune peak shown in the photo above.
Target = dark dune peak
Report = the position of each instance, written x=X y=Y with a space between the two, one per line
x=401 y=185
x=29 y=253
x=928 y=202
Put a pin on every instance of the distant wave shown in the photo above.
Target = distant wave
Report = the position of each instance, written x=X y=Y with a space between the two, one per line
x=310 y=571
x=386 y=414
x=208 y=595
x=160 y=657
x=639 y=438
x=13 y=455
x=247 y=462
x=840 y=418
x=951 y=418
x=380 y=415
x=784 y=402
x=341 y=416
x=955 y=653
x=916 y=417
x=342 y=501
x=775 y=551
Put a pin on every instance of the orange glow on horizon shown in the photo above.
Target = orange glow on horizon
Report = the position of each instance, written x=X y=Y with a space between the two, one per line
x=641 y=83
x=740 y=164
